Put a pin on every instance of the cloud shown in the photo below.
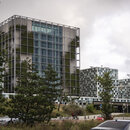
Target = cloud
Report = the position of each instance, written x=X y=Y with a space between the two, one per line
x=109 y=42
x=104 y=24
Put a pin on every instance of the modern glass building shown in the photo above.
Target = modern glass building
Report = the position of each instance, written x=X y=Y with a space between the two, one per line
x=44 y=43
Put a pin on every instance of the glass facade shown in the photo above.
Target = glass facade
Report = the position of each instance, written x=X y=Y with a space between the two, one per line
x=43 y=43
x=48 y=47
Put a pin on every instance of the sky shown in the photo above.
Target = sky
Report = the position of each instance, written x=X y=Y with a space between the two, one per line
x=104 y=27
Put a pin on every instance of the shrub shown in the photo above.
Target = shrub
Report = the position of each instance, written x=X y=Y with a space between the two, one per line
x=90 y=108
x=73 y=108
x=56 y=114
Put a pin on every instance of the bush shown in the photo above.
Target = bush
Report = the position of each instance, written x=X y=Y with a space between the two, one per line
x=90 y=108
x=56 y=114
x=73 y=108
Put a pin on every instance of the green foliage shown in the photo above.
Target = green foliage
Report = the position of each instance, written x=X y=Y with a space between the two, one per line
x=2 y=77
x=73 y=108
x=26 y=43
x=56 y=114
x=35 y=96
x=90 y=108
x=106 y=85
x=73 y=85
x=51 y=79
x=26 y=39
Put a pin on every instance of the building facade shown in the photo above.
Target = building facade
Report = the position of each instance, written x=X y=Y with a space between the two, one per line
x=43 y=43
x=89 y=87
x=122 y=91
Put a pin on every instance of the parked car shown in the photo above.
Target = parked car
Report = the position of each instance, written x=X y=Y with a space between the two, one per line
x=6 y=120
x=100 y=118
x=113 y=125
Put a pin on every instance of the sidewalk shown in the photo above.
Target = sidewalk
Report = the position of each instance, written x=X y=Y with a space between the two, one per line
x=87 y=117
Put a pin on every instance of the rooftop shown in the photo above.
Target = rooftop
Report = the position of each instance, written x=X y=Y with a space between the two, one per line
x=33 y=19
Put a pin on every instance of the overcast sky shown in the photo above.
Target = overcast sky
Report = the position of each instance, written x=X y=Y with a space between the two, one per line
x=104 y=26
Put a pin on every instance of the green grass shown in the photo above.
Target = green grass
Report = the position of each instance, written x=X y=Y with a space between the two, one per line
x=57 y=125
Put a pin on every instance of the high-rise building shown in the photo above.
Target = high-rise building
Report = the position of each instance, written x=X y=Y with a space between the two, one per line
x=89 y=86
x=44 y=43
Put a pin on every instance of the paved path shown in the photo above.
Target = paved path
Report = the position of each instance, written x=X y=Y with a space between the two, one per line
x=88 y=117
x=121 y=118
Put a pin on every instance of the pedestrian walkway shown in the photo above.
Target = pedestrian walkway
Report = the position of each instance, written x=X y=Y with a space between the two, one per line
x=87 y=117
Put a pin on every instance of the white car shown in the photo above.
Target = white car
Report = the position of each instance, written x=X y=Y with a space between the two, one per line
x=7 y=120
x=113 y=125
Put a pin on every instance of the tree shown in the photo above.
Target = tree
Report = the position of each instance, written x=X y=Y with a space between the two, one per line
x=62 y=98
x=53 y=83
x=106 y=94
x=2 y=76
x=35 y=96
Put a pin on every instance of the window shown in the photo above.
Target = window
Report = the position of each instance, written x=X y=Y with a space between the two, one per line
x=36 y=50
x=49 y=38
x=36 y=43
x=43 y=67
x=49 y=45
x=49 y=31
x=56 y=31
x=57 y=39
x=57 y=61
x=43 y=52
x=49 y=53
x=43 y=37
x=36 y=59
x=38 y=29
x=36 y=67
x=53 y=45
x=43 y=30
x=43 y=44
x=49 y=61
x=60 y=31
x=49 y=26
x=54 y=60
x=60 y=40
x=33 y=59
x=36 y=35
x=57 y=68
x=60 y=47
x=43 y=59
x=33 y=28
x=57 y=53
x=43 y=25
x=57 y=46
